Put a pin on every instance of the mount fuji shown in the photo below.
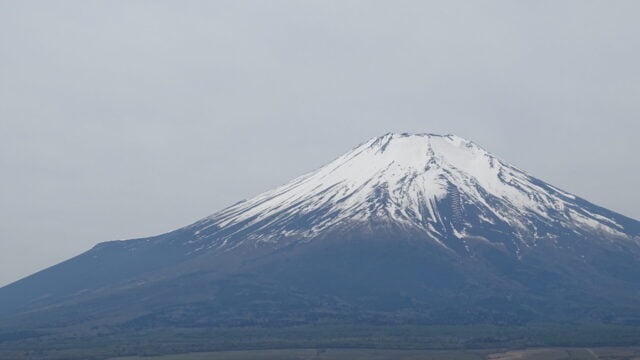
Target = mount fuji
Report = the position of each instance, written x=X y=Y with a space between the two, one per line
x=402 y=229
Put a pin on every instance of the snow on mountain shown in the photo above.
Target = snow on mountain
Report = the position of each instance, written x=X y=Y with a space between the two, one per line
x=444 y=186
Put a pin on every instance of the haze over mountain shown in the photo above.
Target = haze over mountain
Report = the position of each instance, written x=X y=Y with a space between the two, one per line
x=409 y=229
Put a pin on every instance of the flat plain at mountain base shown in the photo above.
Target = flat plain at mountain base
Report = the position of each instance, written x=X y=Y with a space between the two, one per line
x=330 y=342
x=377 y=354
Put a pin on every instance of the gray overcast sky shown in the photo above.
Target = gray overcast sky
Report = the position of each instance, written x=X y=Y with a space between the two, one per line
x=122 y=119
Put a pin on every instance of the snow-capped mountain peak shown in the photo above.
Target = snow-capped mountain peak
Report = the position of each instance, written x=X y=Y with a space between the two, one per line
x=401 y=229
x=442 y=185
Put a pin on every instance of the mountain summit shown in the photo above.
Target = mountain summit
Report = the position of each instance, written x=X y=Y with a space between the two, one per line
x=445 y=187
x=425 y=229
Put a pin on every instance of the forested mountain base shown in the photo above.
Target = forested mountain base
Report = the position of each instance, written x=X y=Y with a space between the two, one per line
x=108 y=343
